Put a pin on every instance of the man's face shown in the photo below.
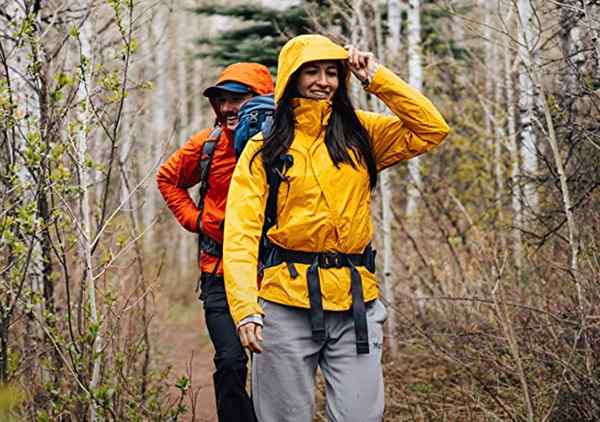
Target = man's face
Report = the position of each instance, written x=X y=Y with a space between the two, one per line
x=228 y=104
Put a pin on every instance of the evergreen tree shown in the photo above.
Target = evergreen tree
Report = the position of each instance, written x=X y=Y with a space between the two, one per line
x=259 y=38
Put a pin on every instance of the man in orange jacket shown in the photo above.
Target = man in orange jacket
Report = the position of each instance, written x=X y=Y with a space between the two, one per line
x=236 y=84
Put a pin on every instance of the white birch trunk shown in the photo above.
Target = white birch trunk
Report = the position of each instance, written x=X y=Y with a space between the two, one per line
x=26 y=100
x=572 y=46
x=527 y=96
x=574 y=238
x=592 y=24
x=159 y=112
x=182 y=21
x=198 y=119
x=515 y=169
x=415 y=79
x=395 y=28
x=498 y=124
x=127 y=134
x=572 y=49
x=84 y=117
x=393 y=51
x=23 y=95
x=357 y=38
x=457 y=28
x=486 y=7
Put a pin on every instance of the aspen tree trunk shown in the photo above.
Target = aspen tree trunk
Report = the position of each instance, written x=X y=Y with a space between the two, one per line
x=201 y=114
x=160 y=113
x=127 y=134
x=415 y=79
x=22 y=103
x=358 y=39
x=486 y=101
x=393 y=49
x=574 y=238
x=592 y=20
x=515 y=168
x=457 y=28
x=86 y=233
x=499 y=130
x=181 y=21
x=527 y=96
x=394 y=42
x=43 y=254
x=27 y=94
x=572 y=46
x=491 y=102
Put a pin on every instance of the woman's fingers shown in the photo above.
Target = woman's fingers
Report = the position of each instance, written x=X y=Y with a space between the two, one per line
x=357 y=58
x=251 y=337
x=361 y=63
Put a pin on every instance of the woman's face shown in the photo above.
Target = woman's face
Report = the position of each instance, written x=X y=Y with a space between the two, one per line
x=318 y=80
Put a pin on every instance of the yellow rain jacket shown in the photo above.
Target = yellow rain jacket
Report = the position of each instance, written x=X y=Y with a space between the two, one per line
x=322 y=208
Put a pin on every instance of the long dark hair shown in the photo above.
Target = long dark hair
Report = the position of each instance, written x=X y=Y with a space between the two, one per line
x=346 y=138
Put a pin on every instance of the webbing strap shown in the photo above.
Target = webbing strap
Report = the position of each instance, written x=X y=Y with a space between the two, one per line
x=210 y=246
x=208 y=152
x=275 y=175
x=359 y=311
x=316 y=315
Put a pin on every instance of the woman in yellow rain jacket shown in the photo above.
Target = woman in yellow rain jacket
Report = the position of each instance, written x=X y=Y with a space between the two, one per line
x=317 y=302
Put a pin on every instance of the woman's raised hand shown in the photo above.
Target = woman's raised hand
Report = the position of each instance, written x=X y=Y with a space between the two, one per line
x=362 y=64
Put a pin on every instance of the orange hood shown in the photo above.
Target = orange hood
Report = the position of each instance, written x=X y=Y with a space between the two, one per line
x=255 y=75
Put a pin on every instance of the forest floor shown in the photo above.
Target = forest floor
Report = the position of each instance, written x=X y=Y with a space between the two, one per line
x=187 y=350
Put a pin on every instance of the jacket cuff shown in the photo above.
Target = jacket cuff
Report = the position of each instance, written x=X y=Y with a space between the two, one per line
x=255 y=319
x=379 y=78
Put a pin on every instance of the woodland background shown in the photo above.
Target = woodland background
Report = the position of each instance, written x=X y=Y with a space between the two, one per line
x=489 y=248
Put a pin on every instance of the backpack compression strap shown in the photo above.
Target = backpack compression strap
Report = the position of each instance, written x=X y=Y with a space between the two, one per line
x=208 y=152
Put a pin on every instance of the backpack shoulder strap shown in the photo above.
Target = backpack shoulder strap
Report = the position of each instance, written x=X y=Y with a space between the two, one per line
x=275 y=175
x=208 y=151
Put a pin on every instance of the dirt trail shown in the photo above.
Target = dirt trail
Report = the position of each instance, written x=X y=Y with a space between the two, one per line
x=187 y=349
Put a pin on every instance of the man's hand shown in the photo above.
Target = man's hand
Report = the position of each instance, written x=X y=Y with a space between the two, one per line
x=251 y=336
x=361 y=63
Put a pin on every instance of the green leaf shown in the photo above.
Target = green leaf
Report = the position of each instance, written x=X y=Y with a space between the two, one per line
x=183 y=383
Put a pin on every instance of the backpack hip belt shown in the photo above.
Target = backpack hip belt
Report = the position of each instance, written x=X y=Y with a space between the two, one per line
x=276 y=255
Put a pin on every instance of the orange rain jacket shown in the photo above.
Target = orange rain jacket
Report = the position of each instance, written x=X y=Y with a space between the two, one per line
x=322 y=208
x=182 y=171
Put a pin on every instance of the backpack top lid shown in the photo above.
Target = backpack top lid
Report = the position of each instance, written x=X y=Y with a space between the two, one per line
x=255 y=115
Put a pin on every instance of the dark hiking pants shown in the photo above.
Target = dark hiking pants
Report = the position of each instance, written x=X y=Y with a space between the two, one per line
x=233 y=402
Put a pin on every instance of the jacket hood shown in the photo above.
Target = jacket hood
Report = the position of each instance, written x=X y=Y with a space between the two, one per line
x=303 y=49
x=255 y=75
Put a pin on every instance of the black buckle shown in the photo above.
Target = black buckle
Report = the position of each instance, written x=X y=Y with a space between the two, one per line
x=331 y=260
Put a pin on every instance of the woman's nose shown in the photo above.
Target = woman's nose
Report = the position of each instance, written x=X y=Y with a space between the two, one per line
x=322 y=79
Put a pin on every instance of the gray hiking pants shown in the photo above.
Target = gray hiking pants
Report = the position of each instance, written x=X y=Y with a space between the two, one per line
x=283 y=375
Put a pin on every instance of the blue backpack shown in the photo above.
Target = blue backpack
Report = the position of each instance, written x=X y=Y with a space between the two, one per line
x=256 y=115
